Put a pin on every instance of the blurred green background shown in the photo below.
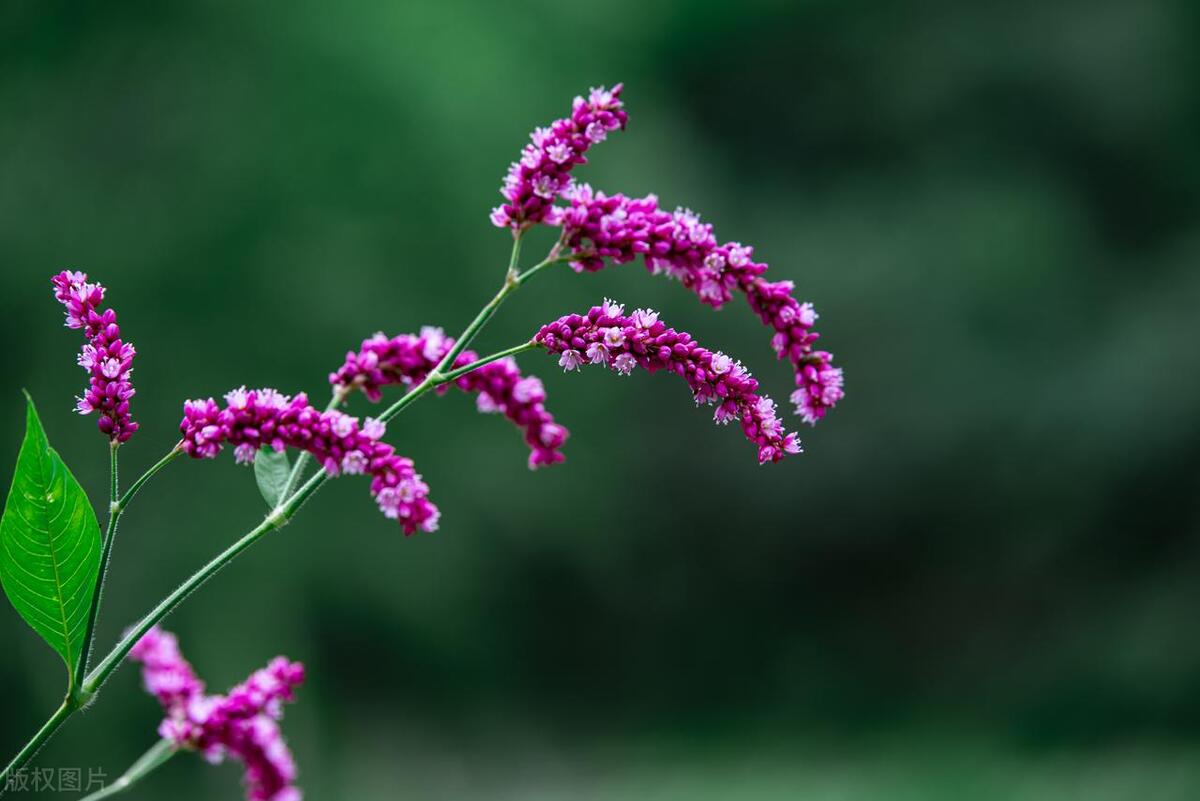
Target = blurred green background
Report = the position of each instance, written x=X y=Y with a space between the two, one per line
x=982 y=579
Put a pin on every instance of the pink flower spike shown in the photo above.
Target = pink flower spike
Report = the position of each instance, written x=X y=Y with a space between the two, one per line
x=641 y=340
x=243 y=723
x=597 y=227
x=107 y=359
x=542 y=172
x=263 y=417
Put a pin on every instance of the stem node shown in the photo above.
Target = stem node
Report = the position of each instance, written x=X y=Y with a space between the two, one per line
x=79 y=698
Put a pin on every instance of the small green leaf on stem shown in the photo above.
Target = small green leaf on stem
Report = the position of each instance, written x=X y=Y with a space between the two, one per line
x=271 y=471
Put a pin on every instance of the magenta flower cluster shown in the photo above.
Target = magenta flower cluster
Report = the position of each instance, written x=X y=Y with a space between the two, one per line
x=595 y=230
x=243 y=723
x=608 y=337
x=498 y=386
x=543 y=171
x=819 y=385
x=256 y=418
x=597 y=227
x=106 y=357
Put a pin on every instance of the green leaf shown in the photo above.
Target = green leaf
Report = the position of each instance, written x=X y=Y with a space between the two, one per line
x=271 y=471
x=49 y=545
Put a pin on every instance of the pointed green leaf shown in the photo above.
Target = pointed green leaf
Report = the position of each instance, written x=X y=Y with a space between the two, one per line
x=271 y=471
x=49 y=545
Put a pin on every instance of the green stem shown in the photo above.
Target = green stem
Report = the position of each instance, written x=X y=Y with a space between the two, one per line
x=109 y=663
x=276 y=519
x=110 y=534
x=511 y=284
x=493 y=357
x=116 y=505
x=171 y=456
x=514 y=258
x=553 y=258
x=113 y=484
x=434 y=380
x=34 y=745
x=472 y=330
x=158 y=754
x=513 y=281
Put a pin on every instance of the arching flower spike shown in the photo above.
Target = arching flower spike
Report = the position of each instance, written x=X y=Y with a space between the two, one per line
x=607 y=336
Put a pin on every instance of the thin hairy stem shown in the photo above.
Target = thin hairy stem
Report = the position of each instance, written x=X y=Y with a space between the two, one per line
x=171 y=456
x=110 y=534
x=35 y=744
x=109 y=663
x=158 y=754
x=514 y=259
x=511 y=285
x=553 y=258
x=116 y=505
x=278 y=518
x=492 y=357
x=113 y=483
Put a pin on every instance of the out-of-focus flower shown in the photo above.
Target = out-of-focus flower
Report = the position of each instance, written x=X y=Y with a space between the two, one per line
x=243 y=723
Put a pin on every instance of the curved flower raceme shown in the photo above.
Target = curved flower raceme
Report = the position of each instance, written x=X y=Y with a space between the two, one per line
x=543 y=171
x=256 y=418
x=106 y=357
x=597 y=226
x=499 y=386
x=609 y=337
x=243 y=723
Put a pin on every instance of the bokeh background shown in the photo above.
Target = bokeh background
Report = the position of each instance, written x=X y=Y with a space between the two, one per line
x=982 y=579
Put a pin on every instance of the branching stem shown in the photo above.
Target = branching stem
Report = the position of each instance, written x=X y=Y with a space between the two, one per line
x=278 y=517
x=158 y=754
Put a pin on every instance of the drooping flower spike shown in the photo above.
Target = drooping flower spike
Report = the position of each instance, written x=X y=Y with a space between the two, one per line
x=243 y=723
x=498 y=386
x=107 y=359
x=252 y=419
x=677 y=244
x=543 y=171
x=608 y=337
